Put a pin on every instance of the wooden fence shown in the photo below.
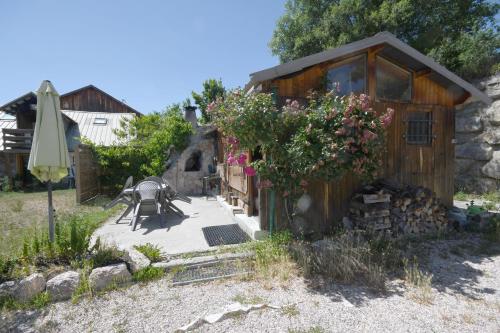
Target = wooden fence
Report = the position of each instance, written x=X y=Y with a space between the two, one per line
x=86 y=175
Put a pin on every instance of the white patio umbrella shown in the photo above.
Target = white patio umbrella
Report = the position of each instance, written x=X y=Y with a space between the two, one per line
x=49 y=160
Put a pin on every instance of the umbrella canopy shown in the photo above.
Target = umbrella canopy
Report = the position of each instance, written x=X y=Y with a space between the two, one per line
x=49 y=160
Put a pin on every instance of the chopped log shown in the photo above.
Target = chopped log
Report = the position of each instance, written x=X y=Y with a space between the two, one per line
x=374 y=198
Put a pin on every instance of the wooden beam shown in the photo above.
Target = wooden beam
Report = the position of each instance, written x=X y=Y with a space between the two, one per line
x=423 y=72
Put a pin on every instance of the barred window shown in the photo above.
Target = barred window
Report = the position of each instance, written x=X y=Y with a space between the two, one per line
x=419 y=128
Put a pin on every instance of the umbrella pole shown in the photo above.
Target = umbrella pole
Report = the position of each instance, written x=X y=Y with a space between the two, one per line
x=51 y=212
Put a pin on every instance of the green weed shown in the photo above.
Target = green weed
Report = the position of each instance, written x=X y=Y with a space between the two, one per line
x=152 y=252
x=149 y=273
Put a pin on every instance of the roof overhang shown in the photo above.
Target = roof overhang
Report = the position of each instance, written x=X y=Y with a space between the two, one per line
x=394 y=49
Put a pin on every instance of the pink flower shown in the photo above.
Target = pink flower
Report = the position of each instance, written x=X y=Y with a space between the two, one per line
x=241 y=159
x=386 y=119
x=368 y=135
x=249 y=171
x=347 y=122
x=340 y=132
x=210 y=106
x=232 y=140
x=304 y=183
x=285 y=194
x=231 y=160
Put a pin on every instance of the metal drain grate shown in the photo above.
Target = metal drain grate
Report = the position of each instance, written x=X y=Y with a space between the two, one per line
x=224 y=235
x=214 y=271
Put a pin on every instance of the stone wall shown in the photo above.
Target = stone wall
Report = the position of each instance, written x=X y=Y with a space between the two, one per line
x=201 y=147
x=477 y=152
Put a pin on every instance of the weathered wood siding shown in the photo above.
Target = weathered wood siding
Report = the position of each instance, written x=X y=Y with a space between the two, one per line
x=87 y=174
x=93 y=99
x=431 y=165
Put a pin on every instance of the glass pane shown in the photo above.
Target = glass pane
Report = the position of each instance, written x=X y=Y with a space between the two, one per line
x=419 y=129
x=393 y=82
x=351 y=77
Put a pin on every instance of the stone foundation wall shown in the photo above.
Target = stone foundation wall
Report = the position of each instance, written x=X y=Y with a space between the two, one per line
x=477 y=152
x=190 y=182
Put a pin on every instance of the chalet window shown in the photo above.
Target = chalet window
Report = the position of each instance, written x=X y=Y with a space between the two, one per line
x=393 y=82
x=350 y=75
x=100 y=121
x=419 y=128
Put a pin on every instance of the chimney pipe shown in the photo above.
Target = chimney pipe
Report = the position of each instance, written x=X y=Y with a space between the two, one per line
x=190 y=115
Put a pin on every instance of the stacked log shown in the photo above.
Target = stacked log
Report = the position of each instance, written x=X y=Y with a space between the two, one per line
x=397 y=209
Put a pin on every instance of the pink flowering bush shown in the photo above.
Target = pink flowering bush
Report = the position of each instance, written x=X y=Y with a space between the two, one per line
x=323 y=140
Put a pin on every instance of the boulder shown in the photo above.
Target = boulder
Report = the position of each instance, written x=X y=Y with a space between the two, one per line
x=29 y=287
x=462 y=165
x=8 y=289
x=491 y=86
x=494 y=113
x=492 y=136
x=62 y=286
x=468 y=124
x=135 y=259
x=474 y=151
x=492 y=168
x=104 y=277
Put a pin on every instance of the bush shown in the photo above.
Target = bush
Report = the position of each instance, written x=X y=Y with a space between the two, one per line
x=103 y=255
x=149 y=273
x=7 y=266
x=143 y=146
x=152 y=252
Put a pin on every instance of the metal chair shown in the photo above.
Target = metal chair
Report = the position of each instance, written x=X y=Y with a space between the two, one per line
x=147 y=202
x=123 y=198
x=173 y=195
x=167 y=196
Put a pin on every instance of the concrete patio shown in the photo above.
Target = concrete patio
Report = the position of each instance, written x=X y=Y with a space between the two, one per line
x=180 y=235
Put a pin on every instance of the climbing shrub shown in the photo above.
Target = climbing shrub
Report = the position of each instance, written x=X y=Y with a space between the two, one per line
x=321 y=140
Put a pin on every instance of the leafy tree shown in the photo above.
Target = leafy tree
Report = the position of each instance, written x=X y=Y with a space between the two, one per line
x=462 y=35
x=212 y=89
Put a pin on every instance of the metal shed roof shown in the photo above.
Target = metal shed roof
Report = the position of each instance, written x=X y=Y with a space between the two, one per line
x=98 y=127
x=395 y=49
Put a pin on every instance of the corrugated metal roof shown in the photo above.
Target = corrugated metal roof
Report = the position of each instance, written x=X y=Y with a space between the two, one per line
x=5 y=123
x=100 y=132
x=399 y=50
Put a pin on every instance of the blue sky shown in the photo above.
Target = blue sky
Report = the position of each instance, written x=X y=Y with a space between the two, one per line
x=149 y=53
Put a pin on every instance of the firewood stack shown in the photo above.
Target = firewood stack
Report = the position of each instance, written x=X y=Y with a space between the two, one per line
x=389 y=207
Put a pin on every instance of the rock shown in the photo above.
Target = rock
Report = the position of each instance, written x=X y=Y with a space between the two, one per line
x=104 y=277
x=491 y=86
x=8 y=289
x=462 y=165
x=474 y=151
x=468 y=124
x=492 y=136
x=458 y=215
x=135 y=259
x=29 y=287
x=494 y=113
x=62 y=286
x=492 y=168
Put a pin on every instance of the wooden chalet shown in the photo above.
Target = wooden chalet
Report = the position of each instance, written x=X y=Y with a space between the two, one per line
x=420 y=140
x=87 y=112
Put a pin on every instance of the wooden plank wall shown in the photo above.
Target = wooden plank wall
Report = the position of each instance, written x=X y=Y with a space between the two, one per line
x=87 y=174
x=91 y=99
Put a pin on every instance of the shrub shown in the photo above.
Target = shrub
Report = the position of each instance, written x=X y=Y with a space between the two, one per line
x=149 y=273
x=143 y=146
x=152 y=252
x=103 y=255
x=7 y=266
x=272 y=257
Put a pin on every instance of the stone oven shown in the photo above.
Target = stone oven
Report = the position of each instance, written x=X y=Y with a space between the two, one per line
x=186 y=169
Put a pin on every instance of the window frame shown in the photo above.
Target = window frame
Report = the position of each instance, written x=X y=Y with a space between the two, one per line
x=402 y=68
x=346 y=61
x=429 y=125
x=97 y=121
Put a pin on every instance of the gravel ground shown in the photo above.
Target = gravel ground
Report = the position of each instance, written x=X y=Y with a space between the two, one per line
x=466 y=298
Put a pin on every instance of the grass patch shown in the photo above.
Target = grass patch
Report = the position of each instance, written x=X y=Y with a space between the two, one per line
x=38 y=302
x=149 y=273
x=243 y=299
x=104 y=255
x=152 y=252
x=419 y=281
x=290 y=310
